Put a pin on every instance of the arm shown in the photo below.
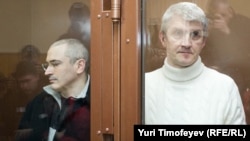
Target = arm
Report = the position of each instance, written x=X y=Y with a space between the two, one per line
x=235 y=110
x=34 y=122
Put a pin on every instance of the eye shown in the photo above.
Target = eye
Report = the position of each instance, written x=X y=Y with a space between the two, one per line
x=177 y=34
x=196 y=35
x=55 y=63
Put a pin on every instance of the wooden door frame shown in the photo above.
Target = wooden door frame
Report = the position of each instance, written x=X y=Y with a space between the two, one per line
x=124 y=82
x=130 y=67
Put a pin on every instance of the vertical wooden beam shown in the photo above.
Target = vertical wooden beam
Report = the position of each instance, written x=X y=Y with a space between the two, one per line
x=130 y=67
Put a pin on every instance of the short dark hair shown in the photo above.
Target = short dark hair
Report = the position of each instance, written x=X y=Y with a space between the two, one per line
x=30 y=52
x=24 y=68
x=79 y=11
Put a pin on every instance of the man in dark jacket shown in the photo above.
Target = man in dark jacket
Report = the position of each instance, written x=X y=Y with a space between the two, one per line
x=62 y=111
x=25 y=84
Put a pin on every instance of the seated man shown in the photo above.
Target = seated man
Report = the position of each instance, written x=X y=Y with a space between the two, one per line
x=62 y=110
x=27 y=84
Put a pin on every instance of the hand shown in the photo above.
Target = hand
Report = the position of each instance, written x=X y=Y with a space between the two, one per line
x=58 y=135
x=219 y=22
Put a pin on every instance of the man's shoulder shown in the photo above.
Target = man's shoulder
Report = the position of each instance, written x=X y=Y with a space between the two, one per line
x=43 y=95
x=153 y=72
x=216 y=74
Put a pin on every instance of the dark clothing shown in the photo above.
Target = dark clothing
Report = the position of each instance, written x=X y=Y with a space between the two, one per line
x=230 y=54
x=14 y=103
x=44 y=112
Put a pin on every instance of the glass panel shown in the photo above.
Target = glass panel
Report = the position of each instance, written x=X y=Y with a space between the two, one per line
x=227 y=47
x=28 y=28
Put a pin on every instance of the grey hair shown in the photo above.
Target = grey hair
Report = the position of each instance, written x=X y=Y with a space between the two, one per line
x=188 y=11
x=75 y=50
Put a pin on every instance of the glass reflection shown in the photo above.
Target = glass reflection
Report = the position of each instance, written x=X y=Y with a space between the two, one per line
x=28 y=29
x=226 y=49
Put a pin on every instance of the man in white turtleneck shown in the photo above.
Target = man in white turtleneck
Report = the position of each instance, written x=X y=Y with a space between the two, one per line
x=184 y=90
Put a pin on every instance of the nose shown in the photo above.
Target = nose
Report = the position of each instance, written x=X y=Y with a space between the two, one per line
x=49 y=70
x=186 y=41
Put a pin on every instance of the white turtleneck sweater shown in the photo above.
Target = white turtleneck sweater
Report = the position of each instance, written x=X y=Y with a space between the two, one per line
x=193 y=95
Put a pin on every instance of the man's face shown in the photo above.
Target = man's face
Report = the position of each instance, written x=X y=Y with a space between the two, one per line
x=183 y=41
x=28 y=83
x=221 y=11
x=60 y=71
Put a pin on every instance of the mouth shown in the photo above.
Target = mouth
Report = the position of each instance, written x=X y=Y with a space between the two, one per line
x=52 y=80
x=185 y=52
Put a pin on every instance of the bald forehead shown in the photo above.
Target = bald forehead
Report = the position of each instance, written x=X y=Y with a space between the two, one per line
x=57 y=52
x=58 y=47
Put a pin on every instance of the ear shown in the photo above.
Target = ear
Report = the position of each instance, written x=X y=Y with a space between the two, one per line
x=80 y=65
x=162 y=38
x=204 y=42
